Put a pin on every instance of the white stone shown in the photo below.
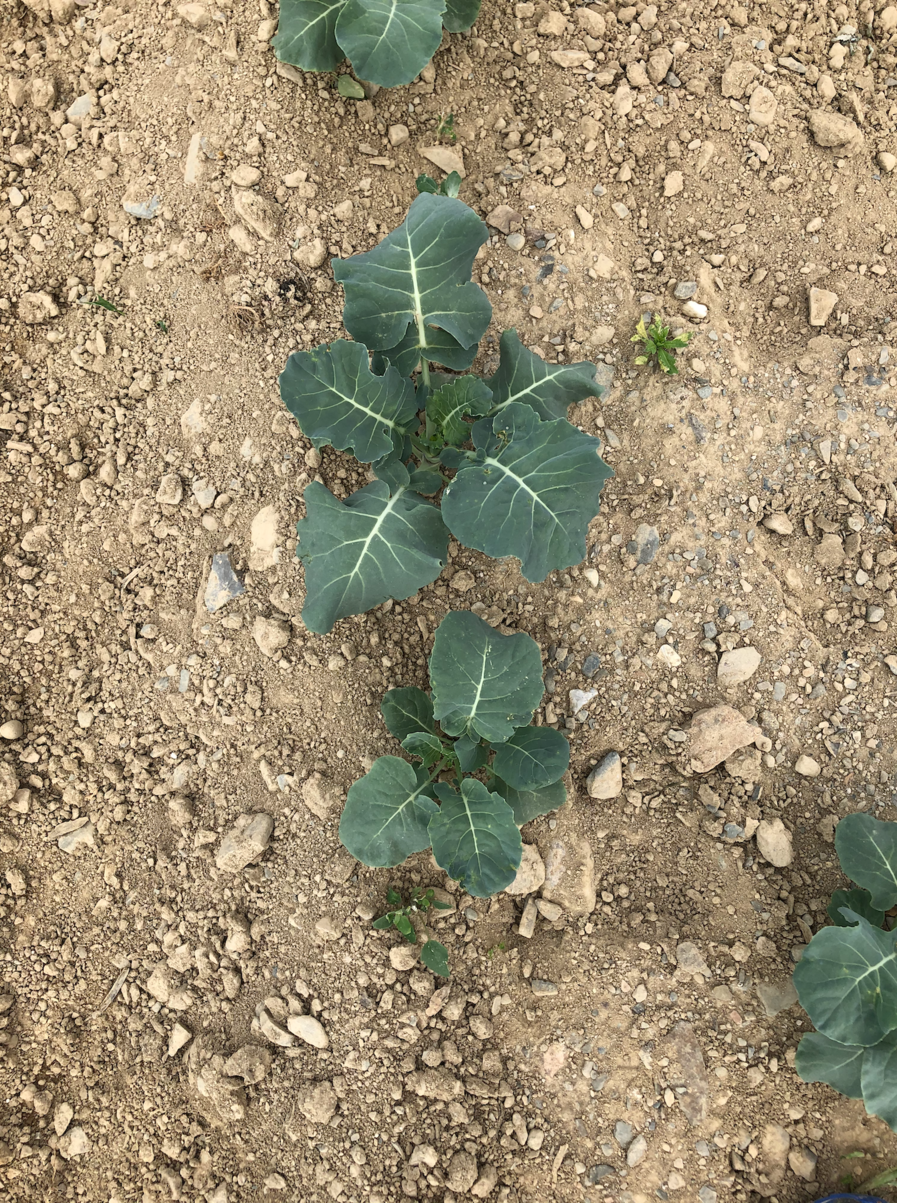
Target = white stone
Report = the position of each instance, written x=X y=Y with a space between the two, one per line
x=531 y=873
x=263 y=550
x=822 y=302
x=807 y=766
x=737 y=666
x=774 y=843
x=309 y=1029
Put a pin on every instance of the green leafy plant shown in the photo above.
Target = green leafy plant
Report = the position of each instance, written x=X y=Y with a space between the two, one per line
x=433 y=954
x=445 y=128
x=657 y=344
x=450 y=186
x=389 y=42
x=520 y=481
x=851 y=1181
x=99 y=302
x=847 y=978
x=483 y=771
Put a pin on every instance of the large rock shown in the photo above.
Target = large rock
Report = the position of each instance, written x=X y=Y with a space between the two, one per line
x=245 y=842
x=606 y=779
x=531 y=873
x=257 y=212
x=834 y=131
x=715 y=734
x=737 y=666
x=570 y=875
x=774 y=843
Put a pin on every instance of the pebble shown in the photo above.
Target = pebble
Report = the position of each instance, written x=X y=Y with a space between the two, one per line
x=531 y=873
x=715 y=734
x=645 y=544
x=170 y=490
x=516 y=242
x=776 y=996
x=403 y=956
x=318 y=1103
x=270 y=634
x=540 y=987
x=223 y=584
x=886 y=161
x=694 y=309
x=673 y=184
x=803 y=1163
x=445 y=158
x=822 y=302
x=398 y=134
x=178 y=1038
x=245 y=842
x=689 y=958
x=570 y=875
x=9 y=783
x=63 y=1115
x=832 y=130
x=586 y=220
x=258 y=212
x=81 y=837
x=774 y=843
x=145 y=210
x=637 y=1152
x=245 y=176
x=762 y=107
x=807 y=766
x=580 y=698
x=12 y=729
x=251 y=1063
x=309 y=1030
x=623 y=1133
x=781 y=524
x=73 y=1143
x=527 y=924
x=737 y=666
x=606 y=779
x=685 y=290
x=263 y=550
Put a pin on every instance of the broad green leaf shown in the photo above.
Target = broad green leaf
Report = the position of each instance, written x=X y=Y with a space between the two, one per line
x=475 y=838
x=528 y=804
x=420 y=273
x=390 y=41
x=483 y=683
x=448 y=406
x=857 y=901
x=407 y=711
x=847 y=982
x=350 y=88
x=384 y=922
x=335 y=396
x=867 y=850
x=441 y=348
x=531 y=493
x=393 y=897
x=451 y=185
x=426 y=481
x=472 y=755
x=550 y=388
x=361 y=551
x=404 y=927
x=839 y=1065
x=387 y=812
x=532 y=758
x=435 y=956
x=880 y=1080
x=425 y=746
x=460 y=14
x=393 y=471
x=426 y=183
x=306 y=34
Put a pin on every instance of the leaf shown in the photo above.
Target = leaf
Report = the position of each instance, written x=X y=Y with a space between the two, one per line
x=426 y=481
x=484 y=684
x=475 y=838
x=451 y=185
x=640 y=332
x=387 y=812
x=667 y=362
x=306 y=34
x=550 y=388
x=880 y=1080
x=404 y=927
x=532 y=758
x=393 y=472
x=867 y=850
x=472 y=755
x=384 y=922
x=393 y=897
x=425 y=746
x=371 y=547
x=531 y=493
x=390 y=41
x=350 y=88
x=435 y=956
x=426 y=183
x=847 y=982
x=839 y=1065
x=466 y=396
x=441 y=348
x=528 y=804
x=407 y=711
x=419 y=273
x=460 y=14
x=857 y=901
x=335 y=396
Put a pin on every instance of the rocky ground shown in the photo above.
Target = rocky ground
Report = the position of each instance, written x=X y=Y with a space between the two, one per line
x=193 y=1003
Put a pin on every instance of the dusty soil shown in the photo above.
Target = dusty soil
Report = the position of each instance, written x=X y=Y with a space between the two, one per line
x=623 y=1052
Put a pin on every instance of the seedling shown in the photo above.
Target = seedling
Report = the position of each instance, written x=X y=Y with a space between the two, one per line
x=445 y=127
x=102 y=303
x=450 y=186
x=847 y=978
x=657 y=344
x=483 y=771
x=161 y=324
x=389 y=42
x=433 y=954
x=520 y=481
x=876 y=1182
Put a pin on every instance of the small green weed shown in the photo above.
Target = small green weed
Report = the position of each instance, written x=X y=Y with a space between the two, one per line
x=657 y=344
x=450 y=186
x=161 y=324
x=433 y=954
x=445 y=128
x=101 y=303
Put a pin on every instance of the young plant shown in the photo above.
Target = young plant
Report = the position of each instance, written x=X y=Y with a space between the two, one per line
x=658 y=345
x=450 y=186
x=433 y=954
x=847 y=978
x=389 y=42
x=482 y=773
x=527 y=487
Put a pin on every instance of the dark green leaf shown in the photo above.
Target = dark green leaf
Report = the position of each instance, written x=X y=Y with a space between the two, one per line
x=439 y=905
x=306 y=34
x=667 y=362
x=404 y=927
x=441 y=348
x=452 y=458
x=466 y=396
x=335 y=396
x=427 y=481
x=528 y=804
x=387 y=812
x=426 y=183
x=867 y=850
x=390 y=41
x=857 y=901
x=350 y=88
x=407 y=711
x=362 y=551
x=451 y=185
x=435 y=956
x=394 y=472
x=460 y=14
x=550 y=388
x=839 y=1065
x=880 y=1080
x=532 y=758
x=383 y=922
x=483 y=683
x=419 y=273
x=426 y=747
x=531 y=493
x=847 y=982
x=472 y=754
x=475 y=838
x=393 y=897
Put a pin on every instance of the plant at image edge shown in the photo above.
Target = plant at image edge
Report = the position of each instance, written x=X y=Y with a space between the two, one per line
x=529 y=485
x=389 y=42
x=657 y=344
x=433 y=954
x=847 y=978
x=485 y=689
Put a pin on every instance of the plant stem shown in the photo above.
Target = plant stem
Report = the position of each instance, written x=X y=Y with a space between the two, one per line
x=425 y=377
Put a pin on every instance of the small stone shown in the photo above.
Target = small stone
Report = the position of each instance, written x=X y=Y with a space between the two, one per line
x=834 y=131
x=445 y=158
x=272 y=1030
x=762 y=107
x=179 y=1037
x=79 y=108
x=73 y=1143
x=311 y=254
x=135 y=204
x=542 y=988
x=623 y=1133
x=108 y=48
x=245 y=842
x=256 y=211
x=12 y=729
x=516 y=242
x=570 y=875
x=398 y=134
x=81 y=837
x=737 y=78
x=318 y=1103
x=461 y=1173
x=689 y=958
x=502 y=218
x=527 y=924
x=403 y=957
x=637 y=1152
x=715 y=734
x=9 y=783
x=196 y=15
x=780 y=523
x=585 y=218
x=606 y=779
x=886 y=161
x=270 y=634
x=673 y=183
x=737 y=666
x=580 y=698
x=645 y=544
x=263 y=550
x=829 y=552
x=776 y=996
x=43 y=93
x=685 y=290
x=803 y=1163
x=35 y=308
x=195 y=160
x=530 y=875
x=774 y=843
x=822 y=302
x=251 y=1063
x=694 y=309
x=62 y=1117
x=223 y=584
x=807 y=766
x=170 y=490
x=245 y=176
x=602 y=335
